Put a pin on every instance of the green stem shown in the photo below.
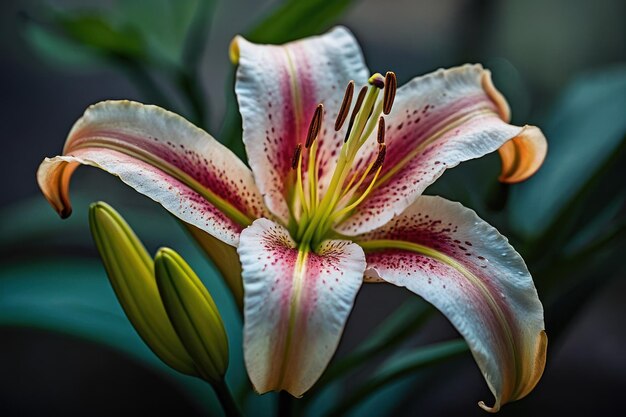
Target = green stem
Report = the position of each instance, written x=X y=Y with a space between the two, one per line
x=231 y=409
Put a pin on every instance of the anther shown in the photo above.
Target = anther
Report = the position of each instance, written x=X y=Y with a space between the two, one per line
x=382 y=151
x=377 y=80
x=345 y=106
x=391 y=84
x=357 y=107
x=315 y=126
x=381 y=130
x=296 y=157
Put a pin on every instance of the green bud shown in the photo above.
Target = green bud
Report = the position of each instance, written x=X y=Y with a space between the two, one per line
x=193 y=313
x=131 y=273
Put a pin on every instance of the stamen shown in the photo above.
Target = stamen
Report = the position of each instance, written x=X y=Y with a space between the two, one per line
x=382 y=151
x=315 y=126
x=375 y=166
x=357 y=107
x=296 y=156
x=381 y=130
x=391 y=84
x=345 y=106
x=377 y=80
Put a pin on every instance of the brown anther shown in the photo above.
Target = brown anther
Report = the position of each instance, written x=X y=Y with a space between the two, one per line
x=357 y=107
x=381 y=130
x=315 y=126
x=382 y=151
x=296 y=157
x=345 y=106
x=391 y=85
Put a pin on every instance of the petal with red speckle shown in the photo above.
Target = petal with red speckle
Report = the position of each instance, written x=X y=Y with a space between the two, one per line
x=162 y=156
x=296 y=303
x=439 y=120
x=446 y=254
x=278 y=88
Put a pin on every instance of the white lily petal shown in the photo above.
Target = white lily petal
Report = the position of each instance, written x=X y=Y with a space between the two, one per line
x=446 y=254
x=296 y=303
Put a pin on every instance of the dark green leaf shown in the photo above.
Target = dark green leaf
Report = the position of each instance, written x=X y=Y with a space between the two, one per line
x=164 y=24
x=74 y=297
x=297 y=19
x=94 y=31
x=400 y=366
x=57 y=49
x=586 y=129
x=389 y=334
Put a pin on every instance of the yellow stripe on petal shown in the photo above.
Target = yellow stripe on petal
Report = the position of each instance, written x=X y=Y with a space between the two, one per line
x=446 y=254
x=162 y=156
x=296 y=303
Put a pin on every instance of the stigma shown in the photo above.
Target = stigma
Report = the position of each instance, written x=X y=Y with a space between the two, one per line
x=314 y=215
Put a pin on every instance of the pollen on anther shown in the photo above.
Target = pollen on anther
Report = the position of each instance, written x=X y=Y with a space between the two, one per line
x=315 y=126
x=345 y=106
x=296 y=156
x=391 y=84
x=381 y=130
x=355 y=111
x=382 y=151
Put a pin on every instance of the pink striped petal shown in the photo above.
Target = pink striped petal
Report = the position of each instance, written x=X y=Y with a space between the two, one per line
x=446 y=254
x=163 y=156
x=438 y=121
x=295 y=305
x=278 y=88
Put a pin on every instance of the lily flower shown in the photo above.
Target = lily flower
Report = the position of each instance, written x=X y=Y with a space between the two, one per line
x=338 y=160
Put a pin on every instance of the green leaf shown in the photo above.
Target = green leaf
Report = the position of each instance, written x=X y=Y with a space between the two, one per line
x=399 y=366
x=296 y=19
x=63 y=293
x=165 y=25
x=394 y=330
x=74 y=297
x=57 y=49
x=94 y=31
x=585 y=131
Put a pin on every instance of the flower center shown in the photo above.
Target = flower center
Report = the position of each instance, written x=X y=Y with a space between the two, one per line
x=312 y=215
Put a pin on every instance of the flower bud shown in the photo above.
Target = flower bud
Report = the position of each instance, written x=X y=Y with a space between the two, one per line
x=131 y=273
x=193 y=314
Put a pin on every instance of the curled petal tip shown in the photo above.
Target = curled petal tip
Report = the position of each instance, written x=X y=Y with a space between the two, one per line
x=494 y=409
x=523 y=155
x=496 y=96
x=233 y=50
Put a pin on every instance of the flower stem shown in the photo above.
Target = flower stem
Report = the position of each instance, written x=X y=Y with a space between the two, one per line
x=231 y=409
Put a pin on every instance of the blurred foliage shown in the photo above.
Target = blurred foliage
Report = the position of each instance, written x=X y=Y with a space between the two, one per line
x=297 y=19
x=585 y=131
x=568 y=221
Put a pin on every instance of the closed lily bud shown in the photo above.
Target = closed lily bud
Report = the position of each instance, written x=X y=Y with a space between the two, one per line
x=131 y=273
x=193 y=313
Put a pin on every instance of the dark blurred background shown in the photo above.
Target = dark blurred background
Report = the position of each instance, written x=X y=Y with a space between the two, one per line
x=536 y=49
